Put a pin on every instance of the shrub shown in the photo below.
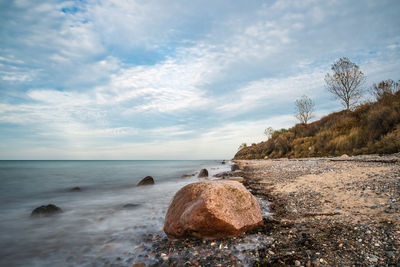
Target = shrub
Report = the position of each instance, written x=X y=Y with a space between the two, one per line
x=370 y=128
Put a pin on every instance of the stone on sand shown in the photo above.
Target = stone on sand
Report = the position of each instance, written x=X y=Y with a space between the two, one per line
x=212 y=209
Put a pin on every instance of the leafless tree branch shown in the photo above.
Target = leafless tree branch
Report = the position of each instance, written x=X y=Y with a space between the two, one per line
x=304 y=109
x=346 y=82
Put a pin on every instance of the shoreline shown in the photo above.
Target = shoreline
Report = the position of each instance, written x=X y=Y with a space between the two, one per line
x=328 y=211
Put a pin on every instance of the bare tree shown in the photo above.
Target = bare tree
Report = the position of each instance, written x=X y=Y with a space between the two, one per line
x=385 y=88
x=346 y=82
x=268 y=132
x=304 y=109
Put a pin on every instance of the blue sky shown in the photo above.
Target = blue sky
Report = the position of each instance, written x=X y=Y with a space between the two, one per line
x=193 y=79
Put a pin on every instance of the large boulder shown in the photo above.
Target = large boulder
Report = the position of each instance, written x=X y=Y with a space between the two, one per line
x=212 y=209
x=44 y=211
x=148 y=180
x=203 y=173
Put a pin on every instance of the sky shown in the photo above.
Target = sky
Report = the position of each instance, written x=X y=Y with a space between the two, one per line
x=137 y=79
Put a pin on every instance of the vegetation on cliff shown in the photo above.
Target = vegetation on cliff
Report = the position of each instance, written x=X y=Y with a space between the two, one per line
x=368 y=129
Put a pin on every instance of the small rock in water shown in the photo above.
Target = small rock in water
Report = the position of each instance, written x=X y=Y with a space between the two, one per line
x=46 y=211
x=203 y=173
x=131 y=205
x=148 y=180
x=187 y=175
x=75 y=189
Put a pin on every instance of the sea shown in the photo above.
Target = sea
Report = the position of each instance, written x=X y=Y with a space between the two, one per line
x=96 y=226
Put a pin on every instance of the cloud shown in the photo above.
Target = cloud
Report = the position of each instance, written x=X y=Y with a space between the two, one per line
x=255 y=94
x=164 y=87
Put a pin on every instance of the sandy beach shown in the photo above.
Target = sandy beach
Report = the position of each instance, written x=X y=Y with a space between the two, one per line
x=329 y=211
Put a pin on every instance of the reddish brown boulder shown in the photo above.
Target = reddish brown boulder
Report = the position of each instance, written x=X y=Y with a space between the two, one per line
x=212 y=209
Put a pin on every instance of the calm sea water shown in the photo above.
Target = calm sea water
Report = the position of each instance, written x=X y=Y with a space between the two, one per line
x=94 y=229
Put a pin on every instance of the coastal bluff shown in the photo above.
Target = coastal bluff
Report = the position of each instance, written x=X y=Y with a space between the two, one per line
x=371 y=128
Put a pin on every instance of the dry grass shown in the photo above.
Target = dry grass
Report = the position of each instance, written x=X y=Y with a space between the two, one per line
x=371 y=128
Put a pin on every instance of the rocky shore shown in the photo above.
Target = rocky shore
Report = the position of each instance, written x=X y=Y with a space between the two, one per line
x=325 y=212
x=329 y=211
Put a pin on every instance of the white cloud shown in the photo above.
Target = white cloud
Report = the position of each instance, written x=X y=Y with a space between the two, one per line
x=257 y=93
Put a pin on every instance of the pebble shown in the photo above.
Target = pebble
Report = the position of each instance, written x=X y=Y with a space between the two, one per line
x=297 y=263
x=373 y=260
x=315 y=262
x=164 y=256
x=390 y=254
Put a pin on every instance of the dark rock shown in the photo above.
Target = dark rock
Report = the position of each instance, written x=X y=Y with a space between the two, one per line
x=234 y=167
x=388 y=210
x=75 y=189
x=131 y=205
x=223 y=174
x=187 y=175
x=223 y=162
x=44 y=211
x=148 y=180
x=390 y=254
x=203 y=173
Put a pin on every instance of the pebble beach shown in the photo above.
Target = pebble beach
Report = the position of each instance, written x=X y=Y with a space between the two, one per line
x=317 y=212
